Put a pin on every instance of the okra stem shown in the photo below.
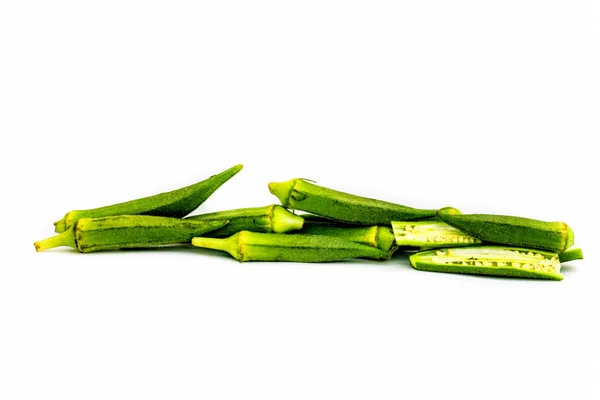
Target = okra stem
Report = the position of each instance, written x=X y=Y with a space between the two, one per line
x=67 y=238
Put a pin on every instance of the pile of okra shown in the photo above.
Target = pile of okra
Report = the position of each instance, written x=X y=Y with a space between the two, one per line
x=318 y=224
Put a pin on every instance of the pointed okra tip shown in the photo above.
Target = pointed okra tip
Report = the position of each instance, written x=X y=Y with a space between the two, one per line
x=283 y=190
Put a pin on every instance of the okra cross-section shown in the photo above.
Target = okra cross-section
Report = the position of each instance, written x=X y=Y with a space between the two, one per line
x=490 y=260
x=430 y=234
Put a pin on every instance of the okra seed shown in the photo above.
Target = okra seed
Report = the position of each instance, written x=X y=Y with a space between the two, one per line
x=516 y=265
x=487 y=264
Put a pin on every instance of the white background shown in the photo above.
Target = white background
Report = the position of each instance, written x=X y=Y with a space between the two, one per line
x=485 y=106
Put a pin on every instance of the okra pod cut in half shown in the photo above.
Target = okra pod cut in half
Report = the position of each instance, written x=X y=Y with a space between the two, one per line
x=175 y=204
x=375 y=236
x=511 y=231
x=269 y=219
x=252 y=246
x=299 y=194
x=572 y=253
x=430 y=234
x=127 y=232
x=490 y=260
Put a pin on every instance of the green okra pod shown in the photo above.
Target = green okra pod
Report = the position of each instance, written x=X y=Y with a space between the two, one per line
x=430 y=234
x=375 y=236
x=490 y=260
x=127 y=232
x=269 y=219
x=252 y=246
x=298 y=194
x=176 y=204
x=512 y=231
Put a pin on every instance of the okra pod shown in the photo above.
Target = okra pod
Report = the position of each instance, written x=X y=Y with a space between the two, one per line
x=298 y=194
x=375 y=236
x=269 y=219
x=430 y=234
x=127 y=232
x=511 y=231
x=176 y=204
x=252 y=246
x=490 y=260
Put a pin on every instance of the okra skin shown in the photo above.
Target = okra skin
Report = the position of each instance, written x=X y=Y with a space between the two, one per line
x=175 y=204
x=269 y=219
x=127 y=232
x=298 y=194
x=490 y=260
x=374 y=236
x=572 y=253
x=511 y=231
x=253 y=246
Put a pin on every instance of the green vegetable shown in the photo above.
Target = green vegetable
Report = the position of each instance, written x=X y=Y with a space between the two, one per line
x=127 y=232
x=268 y=219
x=375 y=236
x=252 y=246
x=430 y=234
x=490 y=260
x=176 y=204
x=572 y=253
x=298 y=194
x=512 y=231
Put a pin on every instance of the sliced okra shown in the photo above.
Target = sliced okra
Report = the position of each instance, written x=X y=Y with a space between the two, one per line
x=490 y=260
x=430 y=234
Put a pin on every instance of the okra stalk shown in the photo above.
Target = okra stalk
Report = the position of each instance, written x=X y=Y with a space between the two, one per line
x=511 y=231
x=298 y=194
x=375 y=236
x=252 y=246
x=269 y=219
x=490 y=260
x=127 y=232
x=175 y=204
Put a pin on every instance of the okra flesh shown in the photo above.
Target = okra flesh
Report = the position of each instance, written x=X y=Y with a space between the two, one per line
x=175 y=204
x=430 y=234
x=299 y=194
x=128 y=232
x=253 y=246
x=512 y=231
x=273 y=218
x=490 y=260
